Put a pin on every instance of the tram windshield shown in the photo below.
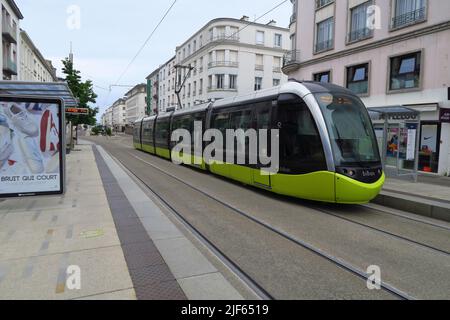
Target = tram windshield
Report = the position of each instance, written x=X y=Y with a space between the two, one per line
x=352 y=137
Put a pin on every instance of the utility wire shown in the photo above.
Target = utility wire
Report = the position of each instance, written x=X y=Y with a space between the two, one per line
x=145 y=43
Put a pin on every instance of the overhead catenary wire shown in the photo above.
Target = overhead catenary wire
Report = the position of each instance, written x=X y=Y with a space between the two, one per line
x=145 y=42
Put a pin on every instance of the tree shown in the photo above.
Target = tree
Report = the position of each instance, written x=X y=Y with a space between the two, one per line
x=83 y=91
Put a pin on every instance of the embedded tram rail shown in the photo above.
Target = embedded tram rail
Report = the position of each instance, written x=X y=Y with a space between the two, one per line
x=392 y=287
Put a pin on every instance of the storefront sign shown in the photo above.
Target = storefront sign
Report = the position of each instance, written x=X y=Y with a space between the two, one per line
x=444 y=115
x=31 y=146
x=77 y=111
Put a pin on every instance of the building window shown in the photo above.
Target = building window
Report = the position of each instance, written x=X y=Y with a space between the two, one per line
x=195 y=45
x=358 y=78
x=233 y=81
x=278 y=40
x=322 y=3
x=260 y=37
x=405 y=71
x=358 y=23
x=324 y=77
x=276 y=82
x=259 y=62
x=325 y=35
x=258 y=83
x=408 y=12
x=220 y=78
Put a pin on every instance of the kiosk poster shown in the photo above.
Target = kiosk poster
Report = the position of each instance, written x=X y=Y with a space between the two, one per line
x=31 y=147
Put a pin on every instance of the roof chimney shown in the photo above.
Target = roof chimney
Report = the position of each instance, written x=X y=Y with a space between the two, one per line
x=244 y=18
x=272 y=23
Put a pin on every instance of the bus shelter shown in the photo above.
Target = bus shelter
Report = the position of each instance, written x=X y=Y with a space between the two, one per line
x=32 y=131
x=398 y=133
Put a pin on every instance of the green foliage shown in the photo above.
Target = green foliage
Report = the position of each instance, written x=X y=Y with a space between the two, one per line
x=109 y=132
x=83 y=91
x=95 y=131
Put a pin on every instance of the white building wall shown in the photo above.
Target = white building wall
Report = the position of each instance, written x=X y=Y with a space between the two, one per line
x=136 y=104
x=33 y=67
x=244 y=43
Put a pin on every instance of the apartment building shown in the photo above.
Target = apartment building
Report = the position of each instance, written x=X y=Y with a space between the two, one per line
x=230 y=56
x=135 y=103
x=118 y=120
x=153 y=92
x=33 y=66
x=389 y=52
x=166 y=95
x=109 y=117
x=11 y=17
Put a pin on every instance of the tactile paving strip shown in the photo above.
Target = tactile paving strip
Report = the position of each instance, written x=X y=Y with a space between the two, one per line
x=151 y=277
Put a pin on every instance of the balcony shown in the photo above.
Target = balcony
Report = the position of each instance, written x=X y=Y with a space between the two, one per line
x=223 y=37
x=229 y=64
x=291 y=57
x=277 y=69
x=359 y=34
x=324 y=46
x=9 y=66
x=259 y=67
x=409 y=18
x=224 y=88
x=293 y=19
x=8 y=32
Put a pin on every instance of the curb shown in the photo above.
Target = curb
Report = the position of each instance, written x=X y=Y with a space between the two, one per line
x=420 y=206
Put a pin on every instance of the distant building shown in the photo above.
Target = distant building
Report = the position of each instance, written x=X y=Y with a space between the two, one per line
x=119 y=115
x=136 y=103
x=230 y=57
x=402 y=59
x=167 y=96
x=9 y=52
x=153 y=92
x=33 y=66
x=227 y=57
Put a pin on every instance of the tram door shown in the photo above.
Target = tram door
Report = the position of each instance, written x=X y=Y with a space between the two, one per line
x=262 y=117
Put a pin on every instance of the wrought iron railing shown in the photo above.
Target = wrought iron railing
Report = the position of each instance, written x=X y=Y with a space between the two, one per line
x=409 y=18
x=359 y=34
x=291 y=57
x=324 y=45
x=223 y=88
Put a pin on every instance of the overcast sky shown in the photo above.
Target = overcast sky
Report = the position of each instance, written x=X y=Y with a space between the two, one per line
x=112 y=31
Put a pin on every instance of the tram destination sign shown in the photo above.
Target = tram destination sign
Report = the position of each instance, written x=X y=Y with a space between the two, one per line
x=77 y=111
x=444 y=115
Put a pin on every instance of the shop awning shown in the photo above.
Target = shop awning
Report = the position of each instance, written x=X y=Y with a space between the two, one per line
x=45 y=89
x=393 y=112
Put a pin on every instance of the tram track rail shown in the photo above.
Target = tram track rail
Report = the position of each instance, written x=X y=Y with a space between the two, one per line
x=247 y=279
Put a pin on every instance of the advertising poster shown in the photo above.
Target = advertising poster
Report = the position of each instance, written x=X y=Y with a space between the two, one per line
x=31 y=142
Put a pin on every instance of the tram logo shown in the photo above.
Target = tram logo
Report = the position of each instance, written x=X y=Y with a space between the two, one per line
x=250 y=147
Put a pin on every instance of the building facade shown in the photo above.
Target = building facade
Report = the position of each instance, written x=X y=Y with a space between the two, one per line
x=135 y=103
x=228 y=57
x=33 y=66
x=118 y=119
x=167 y=96
x=153 y=93
x=9 y=55
x=389 y=52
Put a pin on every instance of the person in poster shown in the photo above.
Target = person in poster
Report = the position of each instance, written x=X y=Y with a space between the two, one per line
x=29 y=147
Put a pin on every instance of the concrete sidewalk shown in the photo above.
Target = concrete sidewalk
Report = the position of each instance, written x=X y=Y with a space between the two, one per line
x=122 y=243
x=423 y=198
x=42 y=237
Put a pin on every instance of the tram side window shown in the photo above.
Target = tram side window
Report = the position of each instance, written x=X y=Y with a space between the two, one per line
x=221 y=122
x=147 y=132
x=136 y=133
x=241 y=120
x=162 y=133
x=301 y=149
